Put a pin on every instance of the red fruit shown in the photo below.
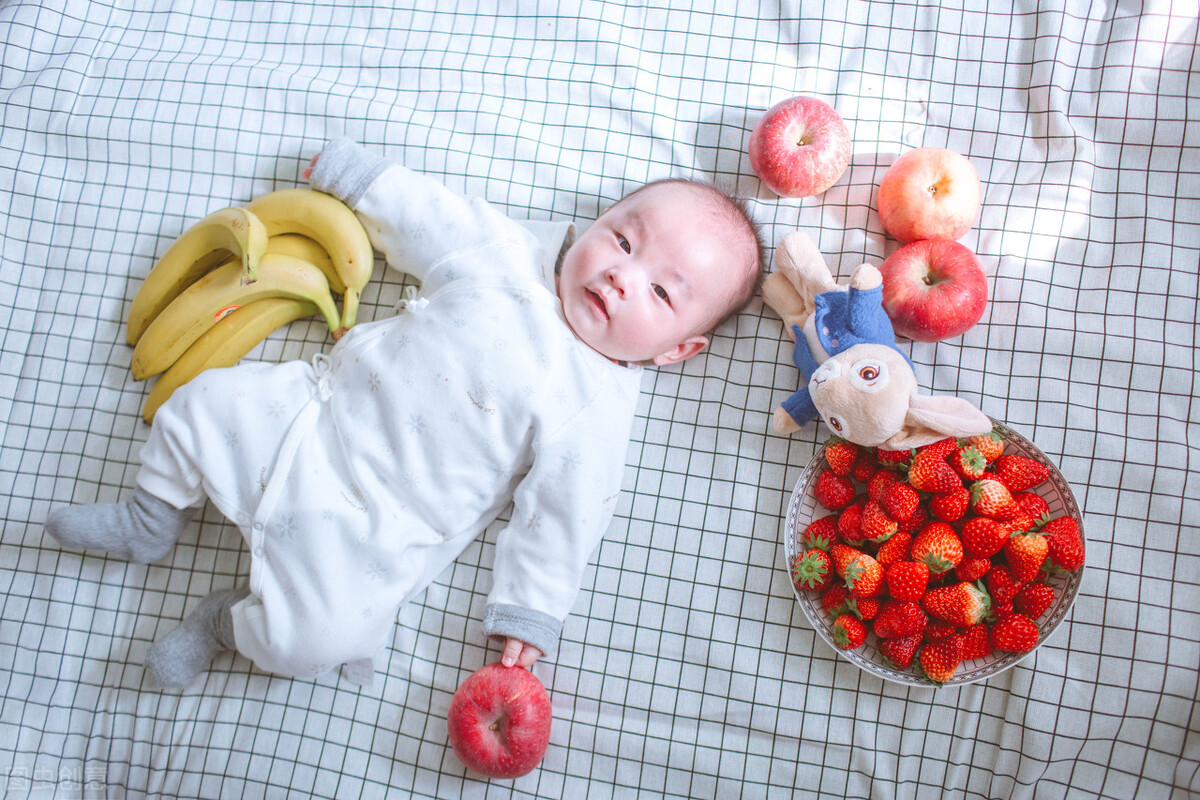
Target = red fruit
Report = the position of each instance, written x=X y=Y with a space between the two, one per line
x=938 y=547
x=939 y=660
x=983 y=537
x=900 y=501
x=833 y=491
x=849 y=524
x=968 y=462
x=898 y=619
x=1016 y=633
x=1065 y=543
x=877 y=525
x=907 y=580
x=976 y=642
x=930 y=473
x=820 y=533
x=880 y=481
x=941 y=448
x=1034 y=505
x=1019 y=472
x=900 y=651
x=939 y=629
x=1033 y=599
x=848 y=632
x=864 y=467
x=892 y=458
x=499 y=721
x=836 y=600
x=1026 y=552
x=918 y=520
x=894 y=549
x=962 y=604
x=990 y=445
x=812 y=570
x=865 y=608
x=840 y=455
x=1001 y=585
x=972 y=568
x=950 y=507
x=861 y=572
x=991 y=498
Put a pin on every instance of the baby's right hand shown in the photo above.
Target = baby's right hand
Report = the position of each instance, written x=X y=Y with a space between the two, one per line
x=307 y=172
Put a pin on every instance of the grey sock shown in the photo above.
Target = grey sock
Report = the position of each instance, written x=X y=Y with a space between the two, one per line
x=141 y=529
x=180 y=656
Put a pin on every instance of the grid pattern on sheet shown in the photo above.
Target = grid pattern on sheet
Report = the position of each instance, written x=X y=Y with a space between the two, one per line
x=687 y=669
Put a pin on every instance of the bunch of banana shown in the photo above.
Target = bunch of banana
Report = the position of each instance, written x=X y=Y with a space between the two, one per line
x=240 y=273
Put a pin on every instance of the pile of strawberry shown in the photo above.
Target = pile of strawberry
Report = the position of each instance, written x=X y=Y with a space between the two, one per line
x=943 y=551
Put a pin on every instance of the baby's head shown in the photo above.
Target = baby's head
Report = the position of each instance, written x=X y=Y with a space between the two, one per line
x=659 y=270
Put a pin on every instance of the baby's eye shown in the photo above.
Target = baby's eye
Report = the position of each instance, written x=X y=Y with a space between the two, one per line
x=624 y=243
x=661 y=292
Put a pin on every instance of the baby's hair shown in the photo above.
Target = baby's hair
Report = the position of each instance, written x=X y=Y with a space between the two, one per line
x=738 y=211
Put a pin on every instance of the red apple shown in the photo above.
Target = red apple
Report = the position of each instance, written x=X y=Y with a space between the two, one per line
x=933 y=289
x=800 y=147
x=499 y=721
x=929 y=193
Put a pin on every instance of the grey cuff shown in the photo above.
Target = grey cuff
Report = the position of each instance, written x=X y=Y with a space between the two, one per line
x=532 y=627
x=345 y=170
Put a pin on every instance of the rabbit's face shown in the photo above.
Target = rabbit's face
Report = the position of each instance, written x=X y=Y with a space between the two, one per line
x=863 y=393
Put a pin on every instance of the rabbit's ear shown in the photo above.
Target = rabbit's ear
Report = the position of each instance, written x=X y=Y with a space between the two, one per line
x=932 y=418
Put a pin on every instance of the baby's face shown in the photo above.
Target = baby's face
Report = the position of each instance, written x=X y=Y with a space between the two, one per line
x=647 y=278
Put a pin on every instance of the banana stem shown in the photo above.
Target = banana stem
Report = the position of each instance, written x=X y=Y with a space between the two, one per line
x=350 y=308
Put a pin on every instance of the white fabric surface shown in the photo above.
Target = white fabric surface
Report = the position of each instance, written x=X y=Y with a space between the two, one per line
x=687 y=670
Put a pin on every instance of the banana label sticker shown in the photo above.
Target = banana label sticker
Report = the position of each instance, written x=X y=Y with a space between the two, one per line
x=225 y=312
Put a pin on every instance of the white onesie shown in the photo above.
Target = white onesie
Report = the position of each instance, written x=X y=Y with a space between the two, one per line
x=358 y=478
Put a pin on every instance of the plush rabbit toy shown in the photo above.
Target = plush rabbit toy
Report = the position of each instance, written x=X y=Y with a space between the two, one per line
x=859 y=382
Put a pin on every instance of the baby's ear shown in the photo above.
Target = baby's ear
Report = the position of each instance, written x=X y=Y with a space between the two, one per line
x=932 y=418
x=684 y=351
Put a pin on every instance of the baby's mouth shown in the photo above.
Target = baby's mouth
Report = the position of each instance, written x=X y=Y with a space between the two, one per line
x=598 y=304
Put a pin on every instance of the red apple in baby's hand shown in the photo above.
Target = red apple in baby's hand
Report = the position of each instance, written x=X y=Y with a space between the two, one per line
x=800 y=147
x=933 y=289
x=929 y=193
x=499 y=721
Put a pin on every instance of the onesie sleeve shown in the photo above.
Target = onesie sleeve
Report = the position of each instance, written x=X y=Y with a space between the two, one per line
x=561 y=510
x=418 y=224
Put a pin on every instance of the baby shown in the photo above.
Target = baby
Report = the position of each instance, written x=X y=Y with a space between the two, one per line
x=357 y=478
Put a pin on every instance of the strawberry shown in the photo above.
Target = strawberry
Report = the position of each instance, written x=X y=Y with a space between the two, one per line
x=900 y=651
x=864 y=467
x=879 y=482
x=918 y=520
x=990 y=445
x=865 y=608
x=963 y=604
x=1065 y=543
x=1019 y=472
x=848 y=632
x=929 y=472
x=861 y=572
x=939 y=660
x=812 y=570
x=894 y=549
x=898 y=619
x=849 y=524
x=968 y=462
x=840 y=455
x=1026 y=552
x=907 y=580
x=950 y=507
x=1001 y=585
x=991 y=498
x=892 y=458
x=1034 y=505
x=836 y=599
x=900 y=501
x=1033 y=599
x=941 y=448
x=820 y=533
x=1016 y=633
x=938 y=546
x=972 y=568
x=976 y=642
x=939 y=629
x=833 y=491
x=1001 y=610
x=877 y=525
x=984 y=537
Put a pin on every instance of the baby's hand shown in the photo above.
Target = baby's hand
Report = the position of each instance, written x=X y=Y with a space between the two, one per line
x=307 y=171
x=519 y=653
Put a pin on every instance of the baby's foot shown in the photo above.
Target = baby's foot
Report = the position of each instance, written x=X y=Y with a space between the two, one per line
x=141 y=529
x=180 y=656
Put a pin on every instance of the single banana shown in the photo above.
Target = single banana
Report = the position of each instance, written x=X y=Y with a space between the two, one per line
x=300 y=246
x=225 y=343
x=228 y=232
x=330 y=222
x=220 y=292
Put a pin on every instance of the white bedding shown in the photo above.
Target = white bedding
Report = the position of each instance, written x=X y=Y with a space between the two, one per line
x=688 y=669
